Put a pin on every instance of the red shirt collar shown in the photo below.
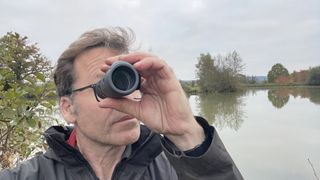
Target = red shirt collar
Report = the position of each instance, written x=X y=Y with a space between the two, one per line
x=72 y=141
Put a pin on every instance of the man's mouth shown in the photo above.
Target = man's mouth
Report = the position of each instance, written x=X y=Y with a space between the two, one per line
x=124 y=118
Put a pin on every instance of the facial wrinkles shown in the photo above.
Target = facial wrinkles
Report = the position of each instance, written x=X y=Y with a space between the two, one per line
x=92 y=62
x=93 y=68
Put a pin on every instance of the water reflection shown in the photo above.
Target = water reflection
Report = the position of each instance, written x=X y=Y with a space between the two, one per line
x=314 y=95
x=223 y=110
x=267 y=134
x=227 y=110
x=279 y=97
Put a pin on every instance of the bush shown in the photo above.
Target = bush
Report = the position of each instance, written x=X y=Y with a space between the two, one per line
x=27 y=96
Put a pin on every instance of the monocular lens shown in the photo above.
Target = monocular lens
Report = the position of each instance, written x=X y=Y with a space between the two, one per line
x=120 y=80
x=123 y=78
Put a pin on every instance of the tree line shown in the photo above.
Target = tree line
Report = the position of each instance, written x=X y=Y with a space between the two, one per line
x=280 y=75
x=224 y=74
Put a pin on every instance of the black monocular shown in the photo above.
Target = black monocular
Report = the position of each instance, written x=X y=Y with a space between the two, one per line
x=120 y=80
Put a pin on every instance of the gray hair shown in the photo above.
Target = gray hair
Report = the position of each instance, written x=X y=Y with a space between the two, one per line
x=116 y=38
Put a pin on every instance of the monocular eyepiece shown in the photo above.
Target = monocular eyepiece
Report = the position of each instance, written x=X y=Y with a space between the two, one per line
x=120 y=80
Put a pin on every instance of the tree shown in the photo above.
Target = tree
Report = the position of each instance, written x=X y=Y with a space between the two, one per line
x=251 y=80
x=234 y=63
x=314 y=76
x=300 y=77
x=227 y=76
x=276 y=71
x=219 y=74
x=27 y=97
x=205 y=72
x=282 y=80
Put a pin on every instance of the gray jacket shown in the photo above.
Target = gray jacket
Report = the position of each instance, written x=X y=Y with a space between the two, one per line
x=150 y=158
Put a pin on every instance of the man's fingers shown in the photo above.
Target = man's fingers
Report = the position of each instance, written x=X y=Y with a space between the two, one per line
x=146 y=64
x=154 y=66
x=141 y=61
x=149 y=63
x=135 y=57
x=105 y=68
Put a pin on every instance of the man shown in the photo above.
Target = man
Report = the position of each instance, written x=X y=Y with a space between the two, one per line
x=107 y=140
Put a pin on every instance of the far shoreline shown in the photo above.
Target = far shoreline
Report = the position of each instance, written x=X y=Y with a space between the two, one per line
x=277 y=85
x=195 y=90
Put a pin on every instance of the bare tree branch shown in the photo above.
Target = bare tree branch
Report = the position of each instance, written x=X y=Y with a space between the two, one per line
x=314 y=171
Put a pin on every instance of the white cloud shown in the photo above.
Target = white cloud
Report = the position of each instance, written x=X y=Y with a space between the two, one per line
x=263 y=32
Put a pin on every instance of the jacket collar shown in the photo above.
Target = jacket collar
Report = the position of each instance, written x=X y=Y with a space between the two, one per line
x=142 y=152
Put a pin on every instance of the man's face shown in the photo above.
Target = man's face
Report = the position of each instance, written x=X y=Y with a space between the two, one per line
x=101 y=125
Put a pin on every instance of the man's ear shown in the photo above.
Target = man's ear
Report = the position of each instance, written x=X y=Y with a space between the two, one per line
x=68 y=110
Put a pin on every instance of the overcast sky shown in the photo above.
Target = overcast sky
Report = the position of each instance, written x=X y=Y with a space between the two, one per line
x=263 y=32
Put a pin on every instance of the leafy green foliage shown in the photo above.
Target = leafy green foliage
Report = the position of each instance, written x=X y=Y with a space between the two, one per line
x=219 y=74
x=314 y=76
x=27 y=98
x=205 y=72
x=189 y=87
x=276 y=71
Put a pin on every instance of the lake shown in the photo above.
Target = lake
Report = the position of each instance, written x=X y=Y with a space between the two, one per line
x=270 y=133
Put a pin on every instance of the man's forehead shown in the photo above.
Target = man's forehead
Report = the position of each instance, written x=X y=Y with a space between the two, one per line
x=98 y=52
x=95 y=56
x=90 y=62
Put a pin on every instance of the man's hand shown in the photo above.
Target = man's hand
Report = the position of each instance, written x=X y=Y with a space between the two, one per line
x=163 y=108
